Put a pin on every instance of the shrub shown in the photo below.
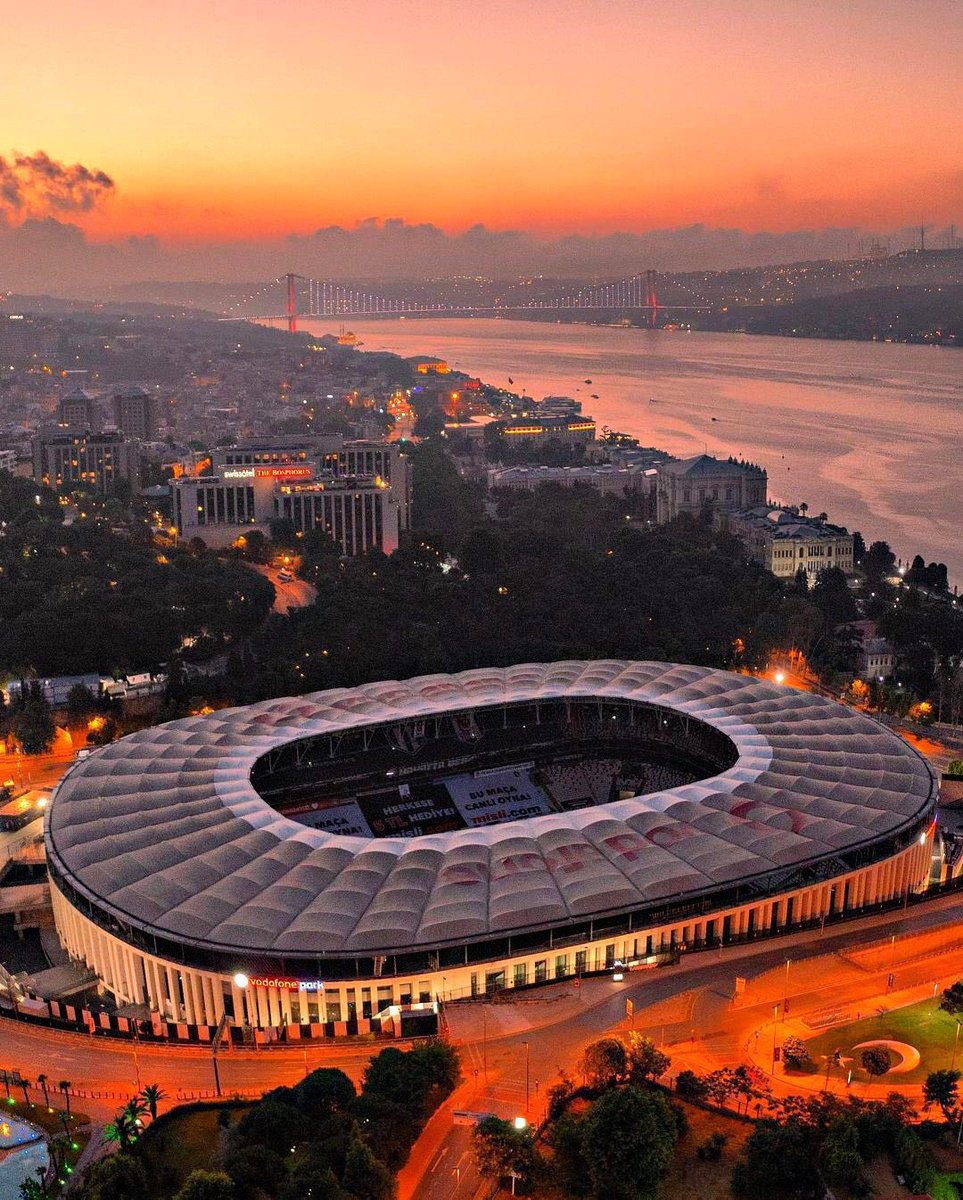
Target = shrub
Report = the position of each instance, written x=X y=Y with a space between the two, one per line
x=711 y=1149
x=691 y=1086
x=913 y=1160
x=795 y=1053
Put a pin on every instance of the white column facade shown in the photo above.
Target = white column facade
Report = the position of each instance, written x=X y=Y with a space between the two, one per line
x=129 y=972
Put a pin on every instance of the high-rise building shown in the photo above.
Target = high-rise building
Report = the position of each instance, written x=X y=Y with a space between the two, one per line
x=134 y=414
x=357 y=491
x=63 y=457
x=79 y=410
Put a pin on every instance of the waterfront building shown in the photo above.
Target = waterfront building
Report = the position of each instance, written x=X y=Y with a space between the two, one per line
x=692 y=484
x=605 y=478
x=786 y=543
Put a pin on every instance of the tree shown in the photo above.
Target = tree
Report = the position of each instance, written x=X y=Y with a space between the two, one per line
x=645 y=1060
x=81 y=705
x=942 y=1088
x=795 y=1053
x=876 y=1060
x=272 y=1124
x=711 y=1149
x=500 y=1149
x=878 y=561
x=65 y=1085
x=117 y=1177
x=840 y=1157
x=152 y=1095
x=366 y=1177
x=568 y=1155
x=123 y=1130
x=952 y=1001
x=629 y=1138
x=207 y=1185
x=255 y=1169
x=691 y=1086
x=33 y=724
x=777 y=1160
x=325 y=1091
x=605 y=1062
x=42 y=1081
x=913 y=1160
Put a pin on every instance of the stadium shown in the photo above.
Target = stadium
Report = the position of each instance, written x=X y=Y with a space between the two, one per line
x=312 y=862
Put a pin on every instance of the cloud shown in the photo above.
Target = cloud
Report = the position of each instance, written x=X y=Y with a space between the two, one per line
x=36 y=185
x=53 y=255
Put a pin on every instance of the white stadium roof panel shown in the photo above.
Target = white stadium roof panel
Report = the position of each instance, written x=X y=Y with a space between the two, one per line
x=165 y=831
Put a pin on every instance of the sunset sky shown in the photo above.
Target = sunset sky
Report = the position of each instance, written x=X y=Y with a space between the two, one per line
x=250 y=119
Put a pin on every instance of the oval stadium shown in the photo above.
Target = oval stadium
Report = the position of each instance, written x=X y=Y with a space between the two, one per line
x=324 y=858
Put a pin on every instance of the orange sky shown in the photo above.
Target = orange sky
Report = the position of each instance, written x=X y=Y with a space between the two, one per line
x=248 y=118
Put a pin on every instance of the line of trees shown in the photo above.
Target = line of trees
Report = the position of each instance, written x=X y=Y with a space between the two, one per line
x=321 y=1138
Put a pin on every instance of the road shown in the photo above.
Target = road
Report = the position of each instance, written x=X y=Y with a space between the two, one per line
x=295 y=594
x=688 y=1010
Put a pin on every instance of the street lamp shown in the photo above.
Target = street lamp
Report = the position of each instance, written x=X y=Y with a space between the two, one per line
x=527 y=1058
x=775 y=1018
x=956 y=1042
x=785 y=999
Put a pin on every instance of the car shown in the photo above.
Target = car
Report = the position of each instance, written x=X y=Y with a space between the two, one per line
x=285 y=576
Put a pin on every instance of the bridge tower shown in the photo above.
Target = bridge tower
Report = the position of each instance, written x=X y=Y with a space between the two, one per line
x=292 y=302
x=652 y=299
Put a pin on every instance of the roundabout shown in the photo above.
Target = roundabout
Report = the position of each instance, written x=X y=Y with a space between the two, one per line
x=907 y=1057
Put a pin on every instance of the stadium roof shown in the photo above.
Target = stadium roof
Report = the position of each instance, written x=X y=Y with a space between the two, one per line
x=164 y=830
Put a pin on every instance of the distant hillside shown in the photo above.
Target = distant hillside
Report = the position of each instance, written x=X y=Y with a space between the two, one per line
x=899 y=313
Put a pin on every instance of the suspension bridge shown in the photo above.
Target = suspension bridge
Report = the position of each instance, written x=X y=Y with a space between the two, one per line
x=303 y=297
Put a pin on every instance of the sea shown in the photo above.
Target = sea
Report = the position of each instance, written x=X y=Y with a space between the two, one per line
x=869 y=432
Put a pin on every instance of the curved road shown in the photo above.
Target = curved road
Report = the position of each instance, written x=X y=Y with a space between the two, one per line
x=556 y=1021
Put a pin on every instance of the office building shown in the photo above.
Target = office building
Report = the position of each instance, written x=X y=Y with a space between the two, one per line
x=65 y=458
x=79 y=410
x=134 y=414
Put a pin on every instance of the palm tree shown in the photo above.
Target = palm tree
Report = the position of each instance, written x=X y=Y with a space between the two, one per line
x=135 y=1109
x=123 y=1130
x=65 y=1086
x=42 y=1080
x=152 y=1095
x=24 y=1085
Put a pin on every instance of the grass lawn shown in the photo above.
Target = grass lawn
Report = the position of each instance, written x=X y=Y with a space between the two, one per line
x=922 y=1025
x=182 y=1143
x=690 y=1177
x=948 y=1187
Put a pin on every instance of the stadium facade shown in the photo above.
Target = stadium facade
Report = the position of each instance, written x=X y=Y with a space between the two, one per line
x=323 y=858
